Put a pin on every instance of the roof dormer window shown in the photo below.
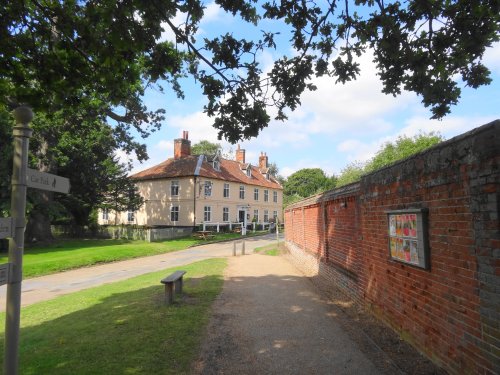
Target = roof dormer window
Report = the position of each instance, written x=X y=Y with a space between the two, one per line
x=216 y=165
x=214 y=160
x=249 y=171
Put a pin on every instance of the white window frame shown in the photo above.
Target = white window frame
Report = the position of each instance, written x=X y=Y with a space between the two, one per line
x=130 y=216
x=105 y=214
x=266 y=216
x=216 y=165
x=174 y=213
x=242 y=191
x=256 y=215
x=266 y=195
x=225 y=214
x=275 y=215
x=255 y=194
x=207 y=214
x=275 y=196
x=249 y=171
x=174 y=188
x=225 y=193
x=207 y=188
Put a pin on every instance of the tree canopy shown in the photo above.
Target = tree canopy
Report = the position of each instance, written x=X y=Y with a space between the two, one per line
x=205 y=147
x=389 y=153
x=403 y=147
x=103 y=55
x=77 y=147
x=306 y=182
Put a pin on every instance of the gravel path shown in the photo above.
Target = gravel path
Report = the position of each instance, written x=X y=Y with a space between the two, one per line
x=270 y=320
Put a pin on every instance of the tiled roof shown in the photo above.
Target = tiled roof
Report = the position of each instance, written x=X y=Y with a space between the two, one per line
x=230 y=170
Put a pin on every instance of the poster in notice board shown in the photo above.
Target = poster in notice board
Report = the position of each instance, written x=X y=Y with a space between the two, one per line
x=408 y=237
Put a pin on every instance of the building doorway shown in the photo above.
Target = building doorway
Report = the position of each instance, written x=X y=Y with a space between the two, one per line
x=241 y=216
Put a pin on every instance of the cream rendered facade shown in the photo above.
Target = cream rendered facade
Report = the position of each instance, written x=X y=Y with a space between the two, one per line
x=188 y=190
x=159 y=203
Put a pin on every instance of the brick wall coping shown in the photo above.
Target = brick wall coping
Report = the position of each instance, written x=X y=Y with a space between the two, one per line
x=329 y=195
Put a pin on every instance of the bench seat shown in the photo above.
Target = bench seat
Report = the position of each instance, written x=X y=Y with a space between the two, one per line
x=171 y=281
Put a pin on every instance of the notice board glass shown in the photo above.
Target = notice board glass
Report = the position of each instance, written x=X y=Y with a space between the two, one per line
x=408 y=237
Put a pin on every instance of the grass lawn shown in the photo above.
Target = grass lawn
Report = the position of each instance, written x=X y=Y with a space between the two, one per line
x=68 y=254
x=272 y=249
x=120 y=328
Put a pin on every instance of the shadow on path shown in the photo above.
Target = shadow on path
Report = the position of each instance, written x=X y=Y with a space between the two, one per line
x=269 y=320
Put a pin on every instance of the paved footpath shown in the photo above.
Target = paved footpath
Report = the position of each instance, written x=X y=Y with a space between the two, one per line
x=47 y=287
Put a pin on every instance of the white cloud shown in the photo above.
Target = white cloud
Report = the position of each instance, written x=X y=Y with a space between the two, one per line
x=165 y=145
x=198 y=124
x=168 y=34
x=449 y=127
x=358 y=106
x=122 y=156
x=214 y=13
x=350 y=145
x=492 y=58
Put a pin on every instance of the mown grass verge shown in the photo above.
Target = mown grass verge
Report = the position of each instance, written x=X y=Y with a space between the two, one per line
x=120 y=328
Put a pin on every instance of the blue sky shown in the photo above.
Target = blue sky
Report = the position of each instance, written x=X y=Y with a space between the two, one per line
x=335 y=125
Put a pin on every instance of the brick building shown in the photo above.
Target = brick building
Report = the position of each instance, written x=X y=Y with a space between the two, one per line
x=435 y=281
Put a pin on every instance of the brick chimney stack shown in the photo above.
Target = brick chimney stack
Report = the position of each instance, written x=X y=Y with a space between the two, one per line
x=263 y=161
x=240 y=155
x=182 y=146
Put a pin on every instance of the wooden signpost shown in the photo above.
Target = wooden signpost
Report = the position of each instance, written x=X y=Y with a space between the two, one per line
x=13 y=228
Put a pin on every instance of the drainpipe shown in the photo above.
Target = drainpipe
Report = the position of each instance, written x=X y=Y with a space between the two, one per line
x=194 y=203
x=196 y=174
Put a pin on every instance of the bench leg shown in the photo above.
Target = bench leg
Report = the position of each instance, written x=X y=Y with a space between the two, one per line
x=178 y=286
x=169 y=293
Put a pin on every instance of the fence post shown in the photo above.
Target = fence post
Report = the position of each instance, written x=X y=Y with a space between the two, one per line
x=217 y=227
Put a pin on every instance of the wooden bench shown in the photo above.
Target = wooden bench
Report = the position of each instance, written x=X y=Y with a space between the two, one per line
x=170 y=281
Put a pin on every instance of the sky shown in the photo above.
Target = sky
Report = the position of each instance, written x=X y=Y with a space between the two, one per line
x=335 y=125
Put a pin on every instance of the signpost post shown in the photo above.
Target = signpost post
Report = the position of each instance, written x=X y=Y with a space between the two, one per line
x=22 y=134
x=12 y=273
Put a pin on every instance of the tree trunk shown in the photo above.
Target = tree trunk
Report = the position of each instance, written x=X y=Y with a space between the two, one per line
x=38 y=226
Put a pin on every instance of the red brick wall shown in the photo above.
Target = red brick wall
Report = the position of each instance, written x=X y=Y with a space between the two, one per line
x=451 y=311
x=313 y=227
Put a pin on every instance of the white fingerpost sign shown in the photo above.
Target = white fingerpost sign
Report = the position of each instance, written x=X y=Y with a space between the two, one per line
x=46 y=181
x=6 y=227
x=4 y=273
